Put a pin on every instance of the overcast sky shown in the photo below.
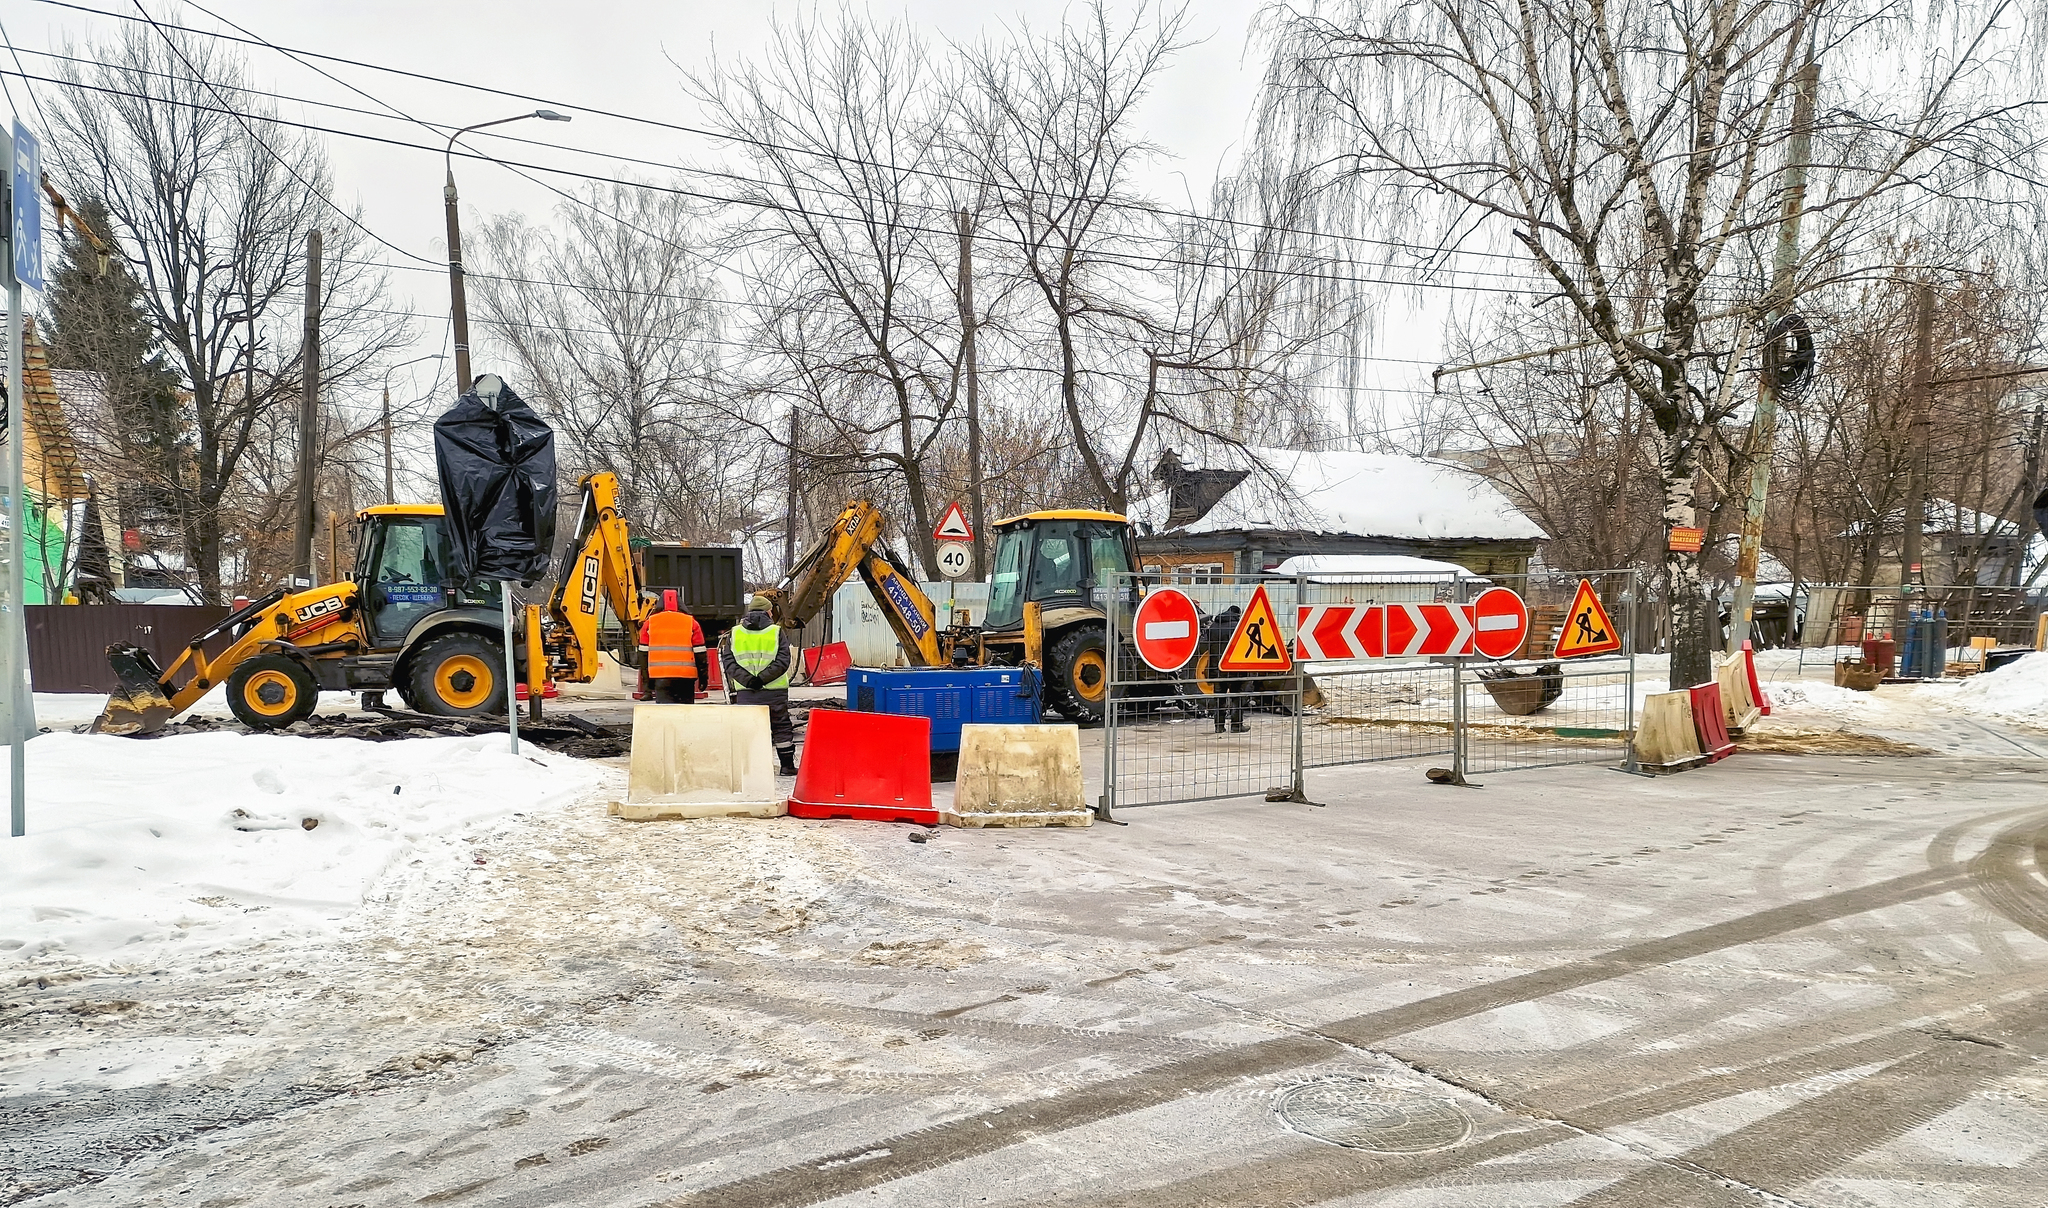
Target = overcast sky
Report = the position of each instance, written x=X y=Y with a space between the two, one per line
x=621 y=55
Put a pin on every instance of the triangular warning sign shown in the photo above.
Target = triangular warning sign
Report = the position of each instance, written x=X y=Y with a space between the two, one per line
x=1257 y=645
x=1587 y=629
x=953 y=525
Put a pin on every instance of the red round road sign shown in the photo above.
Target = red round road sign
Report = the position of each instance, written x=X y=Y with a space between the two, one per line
x=1500 y=620
x=1166 y=629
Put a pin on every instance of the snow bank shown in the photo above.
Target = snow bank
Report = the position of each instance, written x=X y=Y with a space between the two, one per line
x=199 y=841
x=2016 y=692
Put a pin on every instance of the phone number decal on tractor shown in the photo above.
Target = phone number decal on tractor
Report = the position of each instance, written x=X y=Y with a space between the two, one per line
x=911 y=616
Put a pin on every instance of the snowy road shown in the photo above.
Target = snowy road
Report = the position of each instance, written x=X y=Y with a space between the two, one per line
x=1819 y=979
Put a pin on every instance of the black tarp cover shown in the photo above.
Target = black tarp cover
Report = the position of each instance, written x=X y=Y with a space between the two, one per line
x=496 y=459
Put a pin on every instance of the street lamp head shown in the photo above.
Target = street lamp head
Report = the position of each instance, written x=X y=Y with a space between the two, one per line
x=549 y=115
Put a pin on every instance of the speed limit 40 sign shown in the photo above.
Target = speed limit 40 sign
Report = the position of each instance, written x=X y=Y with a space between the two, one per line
x=956 y=559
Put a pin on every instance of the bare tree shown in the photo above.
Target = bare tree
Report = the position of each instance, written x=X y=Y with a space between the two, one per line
x=211 y=206
x=610 y=317
x=1629 y=146
x=1048 y=124
x=848 y=229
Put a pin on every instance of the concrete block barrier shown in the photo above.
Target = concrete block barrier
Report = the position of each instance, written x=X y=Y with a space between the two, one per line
x=1666 y=740
x=1739 y=710
x=701 y=761
x=1019 y=776
x=1710 y=719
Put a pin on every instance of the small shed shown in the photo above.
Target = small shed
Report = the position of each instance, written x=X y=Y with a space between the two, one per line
x=1254 y=509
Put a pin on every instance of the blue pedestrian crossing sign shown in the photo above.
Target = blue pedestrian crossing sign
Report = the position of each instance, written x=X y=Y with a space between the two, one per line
x=27 y=235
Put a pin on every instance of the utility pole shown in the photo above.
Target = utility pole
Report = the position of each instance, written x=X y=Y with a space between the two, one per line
x=790 y=492
x=1763 y=429
x=458 y=298
x=1916 y=442
x=309 y=415
x=971 y=369
x=390 y=490
x=2030 y=486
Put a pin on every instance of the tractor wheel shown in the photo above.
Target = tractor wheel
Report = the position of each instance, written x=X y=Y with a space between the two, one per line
x=457 y=675
x=271 y=691
x=1077 y=675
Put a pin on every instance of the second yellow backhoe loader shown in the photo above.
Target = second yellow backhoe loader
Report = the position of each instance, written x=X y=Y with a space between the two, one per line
x=396 y=623
x=1045 y=606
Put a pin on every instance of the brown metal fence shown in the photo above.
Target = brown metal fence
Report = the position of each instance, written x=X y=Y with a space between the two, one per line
x=1837 y=618
x=67 y=643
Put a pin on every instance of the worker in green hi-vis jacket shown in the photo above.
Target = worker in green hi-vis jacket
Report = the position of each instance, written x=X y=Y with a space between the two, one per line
x=758 y=656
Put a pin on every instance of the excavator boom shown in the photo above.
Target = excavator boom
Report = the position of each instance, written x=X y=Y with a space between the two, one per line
x=598 y=570
x=853 y=546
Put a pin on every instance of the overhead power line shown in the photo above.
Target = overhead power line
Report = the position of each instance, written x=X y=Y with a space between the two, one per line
x=1124 y=259
x=250 y=39
x=1529 y=282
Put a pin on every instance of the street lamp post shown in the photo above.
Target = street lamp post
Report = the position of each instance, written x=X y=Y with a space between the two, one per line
x=458 y=313
x=458 y=304
x=390 y=491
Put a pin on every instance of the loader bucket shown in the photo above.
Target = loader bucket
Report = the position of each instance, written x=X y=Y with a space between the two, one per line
x=138 y=705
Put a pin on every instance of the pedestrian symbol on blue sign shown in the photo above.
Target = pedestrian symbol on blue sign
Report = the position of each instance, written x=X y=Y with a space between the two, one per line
x=28 y=209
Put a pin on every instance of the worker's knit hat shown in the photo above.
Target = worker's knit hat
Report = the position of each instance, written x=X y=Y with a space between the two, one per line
x=760 y=602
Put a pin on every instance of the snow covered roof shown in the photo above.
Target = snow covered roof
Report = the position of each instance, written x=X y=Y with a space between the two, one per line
x=1371 y=568
x=1350 y=494
x=1942 y=516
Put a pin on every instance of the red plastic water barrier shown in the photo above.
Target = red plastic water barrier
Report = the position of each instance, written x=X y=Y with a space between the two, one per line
x=827 y=664
x=876 y=766
x=1710 y=723
x=1756 y=690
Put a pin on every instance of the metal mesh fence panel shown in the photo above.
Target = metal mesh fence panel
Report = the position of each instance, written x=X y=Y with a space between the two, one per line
x=1536 y=711
x=1375 y=710
x=1199 y=733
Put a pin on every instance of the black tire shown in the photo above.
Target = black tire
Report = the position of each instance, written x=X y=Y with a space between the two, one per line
x=271 y=691
x=456 y=675
x=1077 y=674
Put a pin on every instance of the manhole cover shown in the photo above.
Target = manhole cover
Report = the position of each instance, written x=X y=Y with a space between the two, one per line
x=1362 y=1114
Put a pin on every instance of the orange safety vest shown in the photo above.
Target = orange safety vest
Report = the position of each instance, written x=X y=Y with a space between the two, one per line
x=672 y=641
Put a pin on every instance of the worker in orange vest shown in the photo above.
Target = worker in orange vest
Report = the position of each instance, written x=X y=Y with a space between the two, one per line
x=672 y=653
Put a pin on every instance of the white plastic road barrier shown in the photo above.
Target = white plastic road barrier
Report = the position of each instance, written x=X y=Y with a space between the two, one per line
x=1665 y=738
x=1738 y=709
x=1019 y=776
x=701 y=761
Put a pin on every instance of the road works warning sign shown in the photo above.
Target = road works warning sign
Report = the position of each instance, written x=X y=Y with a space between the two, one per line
x=1587 y=629
x=1257 y=644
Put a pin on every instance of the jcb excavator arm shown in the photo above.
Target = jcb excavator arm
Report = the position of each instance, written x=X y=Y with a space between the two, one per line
x=599 y=568
x=852 y=546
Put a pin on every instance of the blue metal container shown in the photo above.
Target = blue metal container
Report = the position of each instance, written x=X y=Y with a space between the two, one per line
x=950 y=696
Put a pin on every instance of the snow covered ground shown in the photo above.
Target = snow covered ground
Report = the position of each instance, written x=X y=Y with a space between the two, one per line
x=147 y=853
x=2016 y=692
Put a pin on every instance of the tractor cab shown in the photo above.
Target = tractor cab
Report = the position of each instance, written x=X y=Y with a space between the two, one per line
x=401 y=576
x=1055 y=559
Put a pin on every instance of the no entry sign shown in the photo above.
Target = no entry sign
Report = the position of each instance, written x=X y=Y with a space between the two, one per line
x=1500 y=620
x=1167 y=629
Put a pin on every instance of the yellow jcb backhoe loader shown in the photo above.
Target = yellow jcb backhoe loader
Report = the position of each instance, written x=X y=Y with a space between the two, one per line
x=1045 y=605
x=397 y=622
